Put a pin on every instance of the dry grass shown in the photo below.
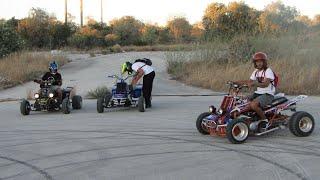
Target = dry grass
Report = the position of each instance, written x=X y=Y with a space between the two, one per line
x=118 y=49
x=20 y=67
x=98 y=92
x=168 y=47
x=298 y=68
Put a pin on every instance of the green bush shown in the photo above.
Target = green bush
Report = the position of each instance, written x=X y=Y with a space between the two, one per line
x=85 y=42
x=116 y=48
x=98 y=92
x=10 y=41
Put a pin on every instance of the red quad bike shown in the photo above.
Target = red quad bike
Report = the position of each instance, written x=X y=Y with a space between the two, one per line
x=236 y=121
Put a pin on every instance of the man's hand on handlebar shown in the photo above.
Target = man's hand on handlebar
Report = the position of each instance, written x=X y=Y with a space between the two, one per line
x=37 y=81
x=246 y=83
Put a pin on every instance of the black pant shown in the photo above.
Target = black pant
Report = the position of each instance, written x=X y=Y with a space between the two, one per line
x=147 y=87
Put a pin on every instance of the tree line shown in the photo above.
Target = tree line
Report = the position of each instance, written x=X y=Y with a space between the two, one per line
x=42 y=30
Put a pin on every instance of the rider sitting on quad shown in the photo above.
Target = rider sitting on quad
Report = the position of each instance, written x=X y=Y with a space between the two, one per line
x=141 y=69
x=262 y=78
x=55 y=76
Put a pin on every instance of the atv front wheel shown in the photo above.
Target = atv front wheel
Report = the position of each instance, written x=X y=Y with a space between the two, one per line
x=237 y=131
x=66 y=106
x=141 y=104
x=76 y=102
x=100 y=105
x=200 y=126
x=301 y=124
x=25 y=107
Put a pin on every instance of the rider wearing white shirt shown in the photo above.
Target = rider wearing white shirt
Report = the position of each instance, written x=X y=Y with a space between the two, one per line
x=140 y=65
x=141 y=69
x=259 y=75
x=263 y=78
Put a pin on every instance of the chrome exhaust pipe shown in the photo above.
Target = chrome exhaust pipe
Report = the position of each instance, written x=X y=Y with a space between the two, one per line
x=271 y=130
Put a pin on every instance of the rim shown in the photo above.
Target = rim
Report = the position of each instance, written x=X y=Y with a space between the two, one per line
x=305 y=124
x=203 y=126
x=240 y=131
x=27 y=107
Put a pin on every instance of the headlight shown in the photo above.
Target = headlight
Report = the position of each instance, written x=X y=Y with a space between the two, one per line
x=220 y=111
x=36 y=95
x=51 y=95
x=212 y=109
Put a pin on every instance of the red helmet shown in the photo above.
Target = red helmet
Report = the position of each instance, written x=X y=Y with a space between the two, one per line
x=259 y=56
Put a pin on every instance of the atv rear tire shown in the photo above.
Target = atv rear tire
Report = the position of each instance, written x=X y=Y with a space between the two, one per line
x=65 y=106
x=237 y=131
x=25 y=107
x=76 y=102
x=199 y=125
x=301 y=124
x=141 y=104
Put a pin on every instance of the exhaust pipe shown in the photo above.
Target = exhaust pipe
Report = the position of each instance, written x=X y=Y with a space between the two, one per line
x=271 y=130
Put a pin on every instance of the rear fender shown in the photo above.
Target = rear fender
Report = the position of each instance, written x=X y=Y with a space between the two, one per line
x=291 y=103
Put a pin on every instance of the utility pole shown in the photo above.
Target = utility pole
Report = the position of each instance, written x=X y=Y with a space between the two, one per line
x=81 y=13
x=65 y=11
x=101 y=12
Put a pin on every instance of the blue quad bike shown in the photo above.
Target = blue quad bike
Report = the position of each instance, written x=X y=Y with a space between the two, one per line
x=46 y=100
x=122 y=96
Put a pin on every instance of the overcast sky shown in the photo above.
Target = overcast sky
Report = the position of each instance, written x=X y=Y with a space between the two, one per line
x=155 y=11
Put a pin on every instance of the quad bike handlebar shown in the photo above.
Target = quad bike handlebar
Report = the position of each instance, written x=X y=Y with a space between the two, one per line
x=235 y=85
x=119 y=78
x=50 y=80
x=235 y=88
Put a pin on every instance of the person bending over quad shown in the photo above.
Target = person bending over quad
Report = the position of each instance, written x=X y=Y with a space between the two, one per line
x=263 y=78
x=56 y=77
x=141 y=69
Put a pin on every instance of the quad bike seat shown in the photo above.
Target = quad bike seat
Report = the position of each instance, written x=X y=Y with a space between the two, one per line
x=276 y=101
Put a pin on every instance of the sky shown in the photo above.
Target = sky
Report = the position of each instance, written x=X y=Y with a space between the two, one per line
x=149 y=11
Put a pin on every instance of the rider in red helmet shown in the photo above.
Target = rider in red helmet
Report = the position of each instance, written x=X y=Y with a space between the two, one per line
x=262 y=79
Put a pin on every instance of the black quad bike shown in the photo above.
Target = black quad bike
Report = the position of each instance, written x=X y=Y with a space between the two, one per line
x=47 y=100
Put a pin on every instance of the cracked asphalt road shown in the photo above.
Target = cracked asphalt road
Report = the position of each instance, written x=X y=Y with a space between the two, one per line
x=161 y=143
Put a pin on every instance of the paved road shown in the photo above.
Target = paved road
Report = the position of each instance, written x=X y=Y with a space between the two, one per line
x=161 y=143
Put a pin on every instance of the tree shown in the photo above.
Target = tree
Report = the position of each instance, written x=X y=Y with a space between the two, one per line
x=165 y=36
x=226 y=21
x=59 y=34
x=13 y=22
x=305 y=20
x=42 y=30
x=86 y=38
x=316 y=20
x=212 y=16
x=277 y=17
x=197 y=31
x=111 y=39
x=127 y=29
x=35 y=28
x=150 y=34
x=10 y=41
x=180 y=29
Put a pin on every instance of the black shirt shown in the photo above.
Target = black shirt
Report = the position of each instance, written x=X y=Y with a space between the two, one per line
x=57 y=78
